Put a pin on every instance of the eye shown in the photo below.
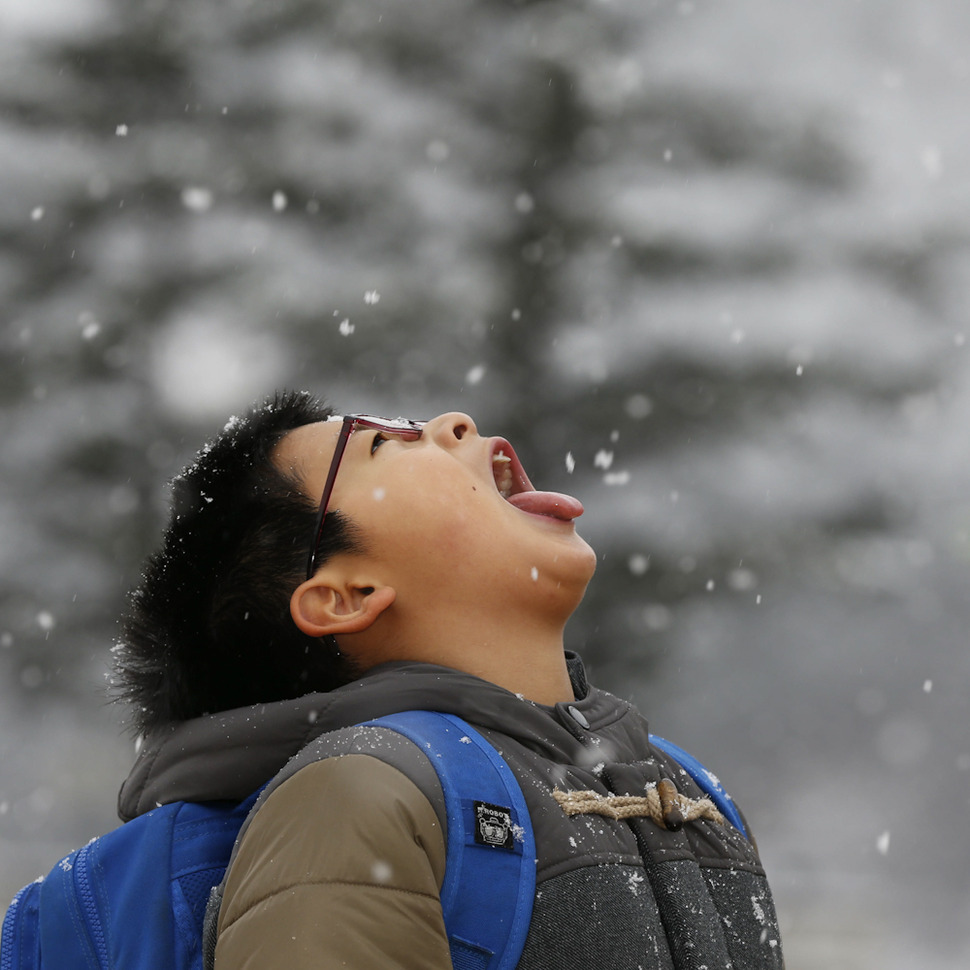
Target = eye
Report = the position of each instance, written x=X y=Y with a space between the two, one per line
x=377 y=441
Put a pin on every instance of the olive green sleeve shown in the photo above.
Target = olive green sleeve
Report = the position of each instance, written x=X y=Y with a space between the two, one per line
x=340 y=868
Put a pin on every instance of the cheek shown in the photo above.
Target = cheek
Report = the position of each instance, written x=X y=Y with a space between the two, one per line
x=433 y=521
x=446 y=526
x=431 y=505
x=458 y=540
x=427 y=493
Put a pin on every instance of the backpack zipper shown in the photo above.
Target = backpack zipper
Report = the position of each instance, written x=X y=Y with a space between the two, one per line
x=89 y=909
x=11 y=934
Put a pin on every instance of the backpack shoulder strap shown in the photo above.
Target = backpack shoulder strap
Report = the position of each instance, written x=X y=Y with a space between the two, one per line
x=490 y=858
x=706 y=780
x=490 y=874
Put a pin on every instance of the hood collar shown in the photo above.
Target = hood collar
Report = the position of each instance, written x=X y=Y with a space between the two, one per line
x=227 y=756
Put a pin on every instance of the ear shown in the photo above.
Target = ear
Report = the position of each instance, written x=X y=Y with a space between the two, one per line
x=326 y=606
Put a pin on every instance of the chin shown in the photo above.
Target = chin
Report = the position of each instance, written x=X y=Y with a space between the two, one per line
x=591 y=569
x=590 y=558
x=577 y=567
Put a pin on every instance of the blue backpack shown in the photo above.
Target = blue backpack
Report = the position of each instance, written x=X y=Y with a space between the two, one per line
x=135 y=899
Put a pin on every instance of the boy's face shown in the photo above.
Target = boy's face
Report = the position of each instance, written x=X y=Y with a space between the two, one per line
x=433 y=517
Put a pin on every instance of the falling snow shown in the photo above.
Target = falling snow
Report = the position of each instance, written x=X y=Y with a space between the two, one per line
x=638 y=564
x=437 y=151
x=90 y=327
x=197 y=199
x=741 y=579
x=381 y=871
x=638 y=406
x=617 y=478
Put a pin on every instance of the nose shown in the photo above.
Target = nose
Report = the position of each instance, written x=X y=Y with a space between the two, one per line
x=448 y=429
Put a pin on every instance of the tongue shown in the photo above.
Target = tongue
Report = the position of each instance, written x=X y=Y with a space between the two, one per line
x=553 y=504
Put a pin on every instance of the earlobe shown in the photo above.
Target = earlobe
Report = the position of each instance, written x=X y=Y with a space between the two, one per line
x=321 y=608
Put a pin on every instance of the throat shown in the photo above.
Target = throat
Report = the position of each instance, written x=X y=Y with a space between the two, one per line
x=542 y=680
x=520 y=654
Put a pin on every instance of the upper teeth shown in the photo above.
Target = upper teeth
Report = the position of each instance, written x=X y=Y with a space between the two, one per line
x=502 y=469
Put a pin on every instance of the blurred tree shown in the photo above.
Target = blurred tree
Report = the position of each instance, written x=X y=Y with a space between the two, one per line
x=409 y=207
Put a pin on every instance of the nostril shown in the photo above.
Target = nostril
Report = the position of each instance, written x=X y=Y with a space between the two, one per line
x=459 y=431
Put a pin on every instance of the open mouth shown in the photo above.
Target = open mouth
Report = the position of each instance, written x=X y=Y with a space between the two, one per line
x=514 y=486
x=510 y=477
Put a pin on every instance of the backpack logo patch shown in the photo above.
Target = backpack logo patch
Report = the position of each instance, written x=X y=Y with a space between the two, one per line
x=493 y=825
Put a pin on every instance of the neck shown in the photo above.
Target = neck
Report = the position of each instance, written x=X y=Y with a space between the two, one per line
x=525 y=658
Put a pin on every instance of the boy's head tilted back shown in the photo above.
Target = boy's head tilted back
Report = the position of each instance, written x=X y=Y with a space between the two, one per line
x=209 y=628
x=436 y=548
x=464 y=564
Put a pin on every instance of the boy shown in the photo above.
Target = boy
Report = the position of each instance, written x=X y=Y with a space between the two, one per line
x=317 y=574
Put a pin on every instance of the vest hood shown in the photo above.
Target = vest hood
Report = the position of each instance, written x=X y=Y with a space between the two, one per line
x=227 y=756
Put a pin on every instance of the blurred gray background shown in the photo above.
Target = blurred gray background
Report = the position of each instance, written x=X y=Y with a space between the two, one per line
x=705 y=263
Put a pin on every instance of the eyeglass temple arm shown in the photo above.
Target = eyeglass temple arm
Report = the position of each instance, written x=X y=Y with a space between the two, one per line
x=342 y=439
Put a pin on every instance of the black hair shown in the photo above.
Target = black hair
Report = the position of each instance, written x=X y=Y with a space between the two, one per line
x=209 y=628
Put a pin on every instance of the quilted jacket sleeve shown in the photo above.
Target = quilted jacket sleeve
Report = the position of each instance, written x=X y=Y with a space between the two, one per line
x=341 y=867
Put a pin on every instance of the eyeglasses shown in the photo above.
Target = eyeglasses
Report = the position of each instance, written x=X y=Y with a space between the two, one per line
x=400 y=427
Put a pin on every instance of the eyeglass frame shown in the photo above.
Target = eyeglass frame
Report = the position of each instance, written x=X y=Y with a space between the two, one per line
x=401 y=427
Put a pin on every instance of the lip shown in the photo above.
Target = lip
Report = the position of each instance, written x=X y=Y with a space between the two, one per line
x=520 y=481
